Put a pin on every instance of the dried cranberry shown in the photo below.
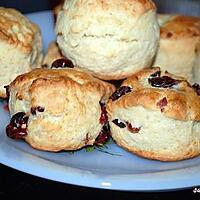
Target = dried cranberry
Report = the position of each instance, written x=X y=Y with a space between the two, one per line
x=196 y=87
x=103 y=135
x=17 y=128
x=132 y=129
x=40 y=109
x=34 y=109
x=62 y=63
x=120 y=92
x=120 y=124
x=162 y=103
x=7 y=91
x=104 y=118
x=163 y=82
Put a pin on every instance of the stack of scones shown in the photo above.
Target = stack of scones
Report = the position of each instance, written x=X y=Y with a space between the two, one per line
x=69 y=102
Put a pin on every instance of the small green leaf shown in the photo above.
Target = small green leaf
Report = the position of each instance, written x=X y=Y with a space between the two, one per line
x=90 y=148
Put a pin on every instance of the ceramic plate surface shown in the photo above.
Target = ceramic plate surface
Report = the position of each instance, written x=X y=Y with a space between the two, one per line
x=110 y=167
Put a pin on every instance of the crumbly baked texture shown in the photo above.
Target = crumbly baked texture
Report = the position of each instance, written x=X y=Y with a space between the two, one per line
x=109 y=39
x=158 y=118
x=62 y=106
x=20 y=46
x=53 y=54
x=179 y=50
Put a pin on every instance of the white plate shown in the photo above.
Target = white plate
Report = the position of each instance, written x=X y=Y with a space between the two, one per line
x=123 y=171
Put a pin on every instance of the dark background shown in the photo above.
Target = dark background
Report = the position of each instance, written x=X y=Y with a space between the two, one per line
x=17 y=184
x=187 y=7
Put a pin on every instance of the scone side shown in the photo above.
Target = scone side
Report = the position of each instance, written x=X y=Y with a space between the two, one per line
x=171 y=140
x=179 y=40
x=59 y=96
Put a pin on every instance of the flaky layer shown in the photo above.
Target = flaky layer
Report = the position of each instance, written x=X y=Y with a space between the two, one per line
x=63 y=106
x=20 y=46
x=109 y=39
x=178 y=50
x=159 y=137
x=181 y=102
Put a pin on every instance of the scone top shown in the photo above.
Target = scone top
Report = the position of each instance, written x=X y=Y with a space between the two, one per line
x=17 y=30
x=133 y=7
x=171 y=95
x=107 y=38
x=48 y=87
x=179 y=27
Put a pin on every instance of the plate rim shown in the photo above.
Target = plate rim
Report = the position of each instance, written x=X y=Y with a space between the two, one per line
x=29 y=164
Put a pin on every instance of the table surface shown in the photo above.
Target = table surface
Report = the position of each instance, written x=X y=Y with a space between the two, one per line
x=16 y=183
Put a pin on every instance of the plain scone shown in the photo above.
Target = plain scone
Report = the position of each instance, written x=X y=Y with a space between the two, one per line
x=179 y=48
x=156 y=116
x=57 y=110
x=20 y=46
x=109 y=39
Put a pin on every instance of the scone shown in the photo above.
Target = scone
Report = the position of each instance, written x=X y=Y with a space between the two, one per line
x=57 y=110
x=179 y=48
x=157 y=116
x=53 y=54
x=20 y=46
x=109 y=39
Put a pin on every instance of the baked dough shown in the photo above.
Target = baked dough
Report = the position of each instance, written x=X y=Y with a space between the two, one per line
x=109 y=39
x=57 y=110
x=157 y=116
x=20 y=46
x=179 y=48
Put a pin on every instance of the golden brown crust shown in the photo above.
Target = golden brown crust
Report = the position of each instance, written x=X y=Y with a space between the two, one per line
x=138 y=7
x=64 y=107
x=53 y=79
x=182 y=101
x=177 y=27
x=17 y=30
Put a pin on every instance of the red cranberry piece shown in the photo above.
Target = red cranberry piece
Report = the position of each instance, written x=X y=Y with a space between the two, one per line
x=17 y=128
x=62 y=63
x=104 y=118
x=196 y=87
x=120 y=124
x=103 y=135
x=163 y=82
x=40 y=109
x=34 y=109
x=132 y=129
x=120 y=92
x=162 y=103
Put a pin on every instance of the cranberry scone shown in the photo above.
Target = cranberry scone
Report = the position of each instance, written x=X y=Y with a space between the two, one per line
x=20 y=46
x=179 y=46
x=109 y=39
x=157 y=116
x=57 y=110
